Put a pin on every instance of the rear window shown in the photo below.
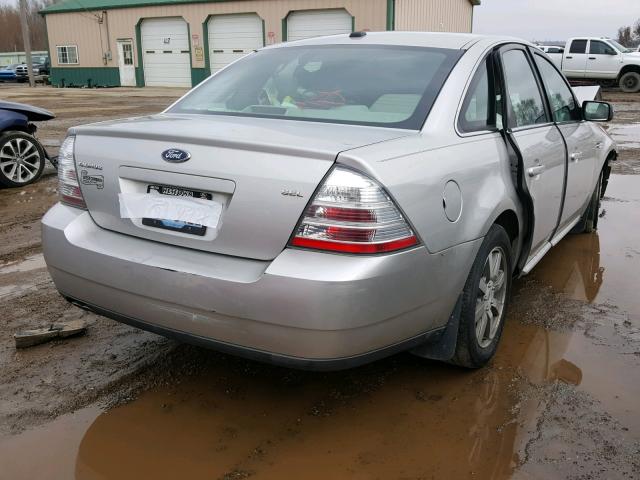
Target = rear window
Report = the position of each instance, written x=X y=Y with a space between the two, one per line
x=356 y=84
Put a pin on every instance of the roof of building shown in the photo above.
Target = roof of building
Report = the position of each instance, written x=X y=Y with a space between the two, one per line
x=84 y=5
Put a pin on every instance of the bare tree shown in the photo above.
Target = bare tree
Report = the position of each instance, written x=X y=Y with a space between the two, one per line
x=11 y=34
x=624 y=36
x=636 y=30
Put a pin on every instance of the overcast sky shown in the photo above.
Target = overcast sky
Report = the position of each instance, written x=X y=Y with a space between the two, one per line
x=554 y=19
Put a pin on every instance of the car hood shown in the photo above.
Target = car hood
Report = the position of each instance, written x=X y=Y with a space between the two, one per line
x=262 y=172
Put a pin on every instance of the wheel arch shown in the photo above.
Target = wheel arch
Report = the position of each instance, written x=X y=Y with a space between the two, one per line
x=612 y=156
x=509 y=221
x=627 y=69
x=13 y=121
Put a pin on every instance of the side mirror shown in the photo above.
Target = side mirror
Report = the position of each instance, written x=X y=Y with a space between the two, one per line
x=597 y=111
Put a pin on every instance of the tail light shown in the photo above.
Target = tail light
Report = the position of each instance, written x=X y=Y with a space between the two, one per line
x=352 y=213
x=68 y=186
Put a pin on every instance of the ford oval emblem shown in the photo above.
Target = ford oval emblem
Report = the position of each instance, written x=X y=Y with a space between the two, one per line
x=175 y=155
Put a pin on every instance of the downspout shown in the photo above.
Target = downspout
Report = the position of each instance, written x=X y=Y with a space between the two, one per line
x=391 y=15
x=106 y=23
x=473 y=9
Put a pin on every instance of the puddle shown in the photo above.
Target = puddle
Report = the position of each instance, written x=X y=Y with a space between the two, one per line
x=626 y=135
x=602 y=267
x=32 y=262
x=396 y=419
x=550 y=397
x=400 y=418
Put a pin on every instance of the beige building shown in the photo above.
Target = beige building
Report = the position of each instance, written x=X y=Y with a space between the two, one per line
x=181 y=42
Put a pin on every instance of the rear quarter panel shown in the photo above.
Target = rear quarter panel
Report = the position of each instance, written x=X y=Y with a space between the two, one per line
x=416 y=174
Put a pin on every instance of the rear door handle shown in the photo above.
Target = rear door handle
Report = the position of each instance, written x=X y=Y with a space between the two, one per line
x=576 y=156
x=569 y=58
x=535 y=171
x=592 y=58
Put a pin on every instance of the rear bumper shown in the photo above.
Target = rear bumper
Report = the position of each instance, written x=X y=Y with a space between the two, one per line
x=304 y=308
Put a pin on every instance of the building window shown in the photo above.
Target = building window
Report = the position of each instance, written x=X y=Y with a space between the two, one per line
x=67 y=54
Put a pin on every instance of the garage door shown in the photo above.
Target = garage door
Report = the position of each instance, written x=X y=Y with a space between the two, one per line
x=165 y=52
x=232 y=37
x=315 y=23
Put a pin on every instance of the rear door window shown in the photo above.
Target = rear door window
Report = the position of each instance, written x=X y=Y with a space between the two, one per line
x=578 y=46
x=523 y=94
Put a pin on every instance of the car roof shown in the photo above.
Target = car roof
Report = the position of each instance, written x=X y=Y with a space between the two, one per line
x=457 y=41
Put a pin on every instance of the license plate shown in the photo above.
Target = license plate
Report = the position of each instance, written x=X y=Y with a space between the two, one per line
x=177 y=225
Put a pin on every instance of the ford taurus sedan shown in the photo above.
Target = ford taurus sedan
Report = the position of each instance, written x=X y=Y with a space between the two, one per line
x=327 y=202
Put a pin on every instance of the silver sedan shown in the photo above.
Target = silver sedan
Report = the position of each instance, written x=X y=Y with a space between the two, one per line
x=328 y=202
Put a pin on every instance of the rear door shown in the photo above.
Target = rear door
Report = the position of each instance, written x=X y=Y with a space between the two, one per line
x=574 y=63
x=581 y=144
x=538 y=141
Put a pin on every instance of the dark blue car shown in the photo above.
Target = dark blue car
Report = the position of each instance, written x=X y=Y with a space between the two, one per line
x=8 y=74
x=22 y=157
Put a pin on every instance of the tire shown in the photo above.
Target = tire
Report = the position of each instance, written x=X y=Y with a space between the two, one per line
x=22 y=159
x=483 y=295
x=630 y=82
x=589 y=221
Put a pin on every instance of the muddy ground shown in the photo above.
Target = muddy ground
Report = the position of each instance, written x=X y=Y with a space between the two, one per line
x=560 y=400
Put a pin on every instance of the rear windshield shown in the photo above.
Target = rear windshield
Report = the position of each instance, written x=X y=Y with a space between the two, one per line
x=357 y=84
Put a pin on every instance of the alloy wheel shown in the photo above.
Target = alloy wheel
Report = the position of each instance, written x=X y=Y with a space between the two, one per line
x=492 y=291
x=20 y=160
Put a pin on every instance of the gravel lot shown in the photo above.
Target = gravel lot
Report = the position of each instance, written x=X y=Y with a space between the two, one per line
x=559 y=401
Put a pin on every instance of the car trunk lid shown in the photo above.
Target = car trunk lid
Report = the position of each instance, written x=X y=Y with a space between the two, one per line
x=261 y=172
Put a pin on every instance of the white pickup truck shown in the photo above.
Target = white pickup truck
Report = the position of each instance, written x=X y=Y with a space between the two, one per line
x=601 y=60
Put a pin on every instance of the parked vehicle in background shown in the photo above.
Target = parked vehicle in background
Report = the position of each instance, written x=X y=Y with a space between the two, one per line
x=22 y=157
x=22 y=74
x=326 y=202
x=42 y=63
x=8 y=73
x=41 y=66
x=551 y=48
x=600 y=60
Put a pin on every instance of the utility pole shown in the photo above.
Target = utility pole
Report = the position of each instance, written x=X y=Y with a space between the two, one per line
x=26 y=40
